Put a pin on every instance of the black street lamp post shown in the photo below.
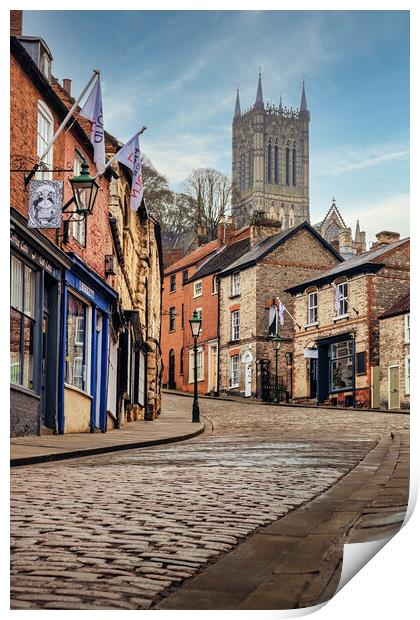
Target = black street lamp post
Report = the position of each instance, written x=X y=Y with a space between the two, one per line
x=195 y=324
x=276 y=346
x=289 y=359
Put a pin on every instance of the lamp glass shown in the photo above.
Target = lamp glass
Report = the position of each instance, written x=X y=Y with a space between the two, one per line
x=276 y=343
x=85 y=189
x=195 y=324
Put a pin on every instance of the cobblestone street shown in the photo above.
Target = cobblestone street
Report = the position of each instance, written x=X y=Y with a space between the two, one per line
x=124 y=530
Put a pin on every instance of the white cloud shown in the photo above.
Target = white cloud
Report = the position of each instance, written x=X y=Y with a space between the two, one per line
x=348 y=158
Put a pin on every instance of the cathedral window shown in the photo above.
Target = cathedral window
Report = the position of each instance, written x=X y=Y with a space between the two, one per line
x=281 y=217
x=251 y=169
x=276 y=165
x=294 y=167
x=269 y=163
x=287 y=166
x=291 y=217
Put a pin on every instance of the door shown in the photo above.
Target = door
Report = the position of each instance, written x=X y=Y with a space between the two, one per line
x=394 y=387
x=171 y=370
x=375 y=388
x=313 y=378
x=98 y=369
x=248 y=379
x=213 y=368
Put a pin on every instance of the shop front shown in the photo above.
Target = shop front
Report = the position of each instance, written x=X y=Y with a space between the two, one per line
x=35 y=299
x=87 y=303
x=336 y=377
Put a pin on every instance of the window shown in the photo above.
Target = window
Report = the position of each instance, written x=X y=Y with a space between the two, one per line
x=276 y=165
x=291 y=217
x=22 y=323
x=341 y=365
x=200 y=365
x=312 y=308
x=361 y=363
x=269 y=163
x=234 y=371
x=199 y=313
x=294 y=167
x=45 y=65
x=250 y=168
x=407 y=327
x=287 y=166
x=235 y=325
x=184 y=277
x=198 y=289
x=273 y=320
x=44 y=135
x=172 y=315
x=182 y=316
x=79 y=225
x=76 y=343
x=181 y=361
x=341 y=299
x=236 y=284
x=407 y=374
x=172 y=283
x=215 y=285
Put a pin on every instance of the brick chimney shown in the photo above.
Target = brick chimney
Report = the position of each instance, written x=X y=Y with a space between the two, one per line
x=385 y=237
x=16 y=21
x=263 y=226
x=67 y=86
x=226 y=230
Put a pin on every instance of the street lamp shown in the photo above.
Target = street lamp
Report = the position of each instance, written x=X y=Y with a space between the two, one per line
x=276 y=346
x=195 y=324
x=84 y=189
x=289 y=359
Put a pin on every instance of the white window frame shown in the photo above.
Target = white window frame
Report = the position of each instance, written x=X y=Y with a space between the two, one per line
x=344 y=299
x=407 y=375
x=88 y=328
x=200 y=367
x=215 y=286
x=236 y=283
x=235 y=320
x=313 y=308
x=44 y=114
x=198 y=288
x=407 y=328
x=234 y=371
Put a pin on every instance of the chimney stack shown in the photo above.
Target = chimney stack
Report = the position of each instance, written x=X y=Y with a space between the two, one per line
x=385 y=237
x=67 y=86
x=226 y=230
x=16 y=21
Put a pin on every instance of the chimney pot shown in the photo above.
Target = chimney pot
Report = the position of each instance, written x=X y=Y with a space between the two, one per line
x=67 y=86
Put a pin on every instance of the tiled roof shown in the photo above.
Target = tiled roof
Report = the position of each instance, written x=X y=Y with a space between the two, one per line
x=264 y=247
x=194 y=257
x=355 y=263
x=401 y=306
x=222 y=259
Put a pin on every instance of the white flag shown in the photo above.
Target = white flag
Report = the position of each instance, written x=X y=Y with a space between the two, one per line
x=337 y=300
x=281 y=311
x=130 y=156
x=92 y=110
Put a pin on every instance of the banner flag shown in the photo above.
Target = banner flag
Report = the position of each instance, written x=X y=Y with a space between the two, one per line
x=130 y=156
x=92 y=110
x=337 y=300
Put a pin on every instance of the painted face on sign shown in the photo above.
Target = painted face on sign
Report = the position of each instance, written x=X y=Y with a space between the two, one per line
x=44 y=204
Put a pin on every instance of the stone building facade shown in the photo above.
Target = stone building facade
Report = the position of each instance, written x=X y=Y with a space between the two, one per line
x=250 y=290
x=336 y=348
x=335 y=231
x=270 y=161
x=394 y=355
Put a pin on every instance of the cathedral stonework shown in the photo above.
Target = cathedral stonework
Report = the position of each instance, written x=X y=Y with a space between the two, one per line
x=270 y=162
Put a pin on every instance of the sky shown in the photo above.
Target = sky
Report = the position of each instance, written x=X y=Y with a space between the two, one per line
x=177 y=71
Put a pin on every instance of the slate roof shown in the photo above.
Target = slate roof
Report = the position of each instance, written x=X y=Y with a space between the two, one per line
x=401 y=306
x=192 y=258
x=222 y=259
x=354 y=264
x=267 y=245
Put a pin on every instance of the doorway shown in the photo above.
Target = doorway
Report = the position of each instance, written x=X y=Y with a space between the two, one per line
x=313 y=378
x=247 y=360
x=98 y=369
x=171 y=370
x=213 y=368
x=394 y=387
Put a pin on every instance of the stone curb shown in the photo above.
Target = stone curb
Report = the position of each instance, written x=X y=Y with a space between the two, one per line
x=72 y=454
x=251 y=401
x=296 y=561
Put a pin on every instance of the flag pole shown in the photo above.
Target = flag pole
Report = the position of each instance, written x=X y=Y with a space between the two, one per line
x=342 y=297
x=295 y=322
x=109 y=162
x=95 y=74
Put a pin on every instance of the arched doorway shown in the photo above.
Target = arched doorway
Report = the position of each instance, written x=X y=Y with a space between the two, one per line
x=171 y=370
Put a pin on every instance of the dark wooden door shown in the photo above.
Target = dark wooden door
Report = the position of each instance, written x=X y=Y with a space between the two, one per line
x=171 y=370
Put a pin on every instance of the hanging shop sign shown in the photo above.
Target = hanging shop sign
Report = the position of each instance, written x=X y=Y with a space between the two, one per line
x=45 y=204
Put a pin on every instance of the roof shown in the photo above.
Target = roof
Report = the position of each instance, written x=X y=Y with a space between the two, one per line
x=358 y=263
x=222 y=259
x=267 y=245
x=192 y=258
x=401 y=306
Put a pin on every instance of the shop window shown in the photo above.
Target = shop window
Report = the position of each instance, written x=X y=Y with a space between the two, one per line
x=236 y=283
x=172 y=315
x=200 y=365
x=341 y=365
x=312 y=308
x=234 y=371
x=172 y=283
x=22 y=323
x=77 y=343
x=45 y=131
x=79 y=225
x=235 y=325
x=198 y=288
x=273 y=320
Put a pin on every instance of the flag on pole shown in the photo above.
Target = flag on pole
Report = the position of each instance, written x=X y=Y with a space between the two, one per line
x=337 y=300
x=92 y=110
x=281 y=311
x=130 y=156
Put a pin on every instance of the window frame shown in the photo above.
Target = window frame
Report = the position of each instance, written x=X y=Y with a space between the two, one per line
x=44 y=112
x=198 y=283
x=407 y=328
x=235 y=283
x=407 y=375
x=172 y=283
x=344 y=303
x=234 y=369
x=312 y=308
x=200 y=367
x=86 y=367
x=184 y=277
x=235 y=324
x=215 y=288
x=331 y=361
x=172 y=319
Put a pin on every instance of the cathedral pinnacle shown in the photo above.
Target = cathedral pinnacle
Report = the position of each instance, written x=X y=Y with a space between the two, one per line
x=238 y=105
x=303 y=104
x=259 y=102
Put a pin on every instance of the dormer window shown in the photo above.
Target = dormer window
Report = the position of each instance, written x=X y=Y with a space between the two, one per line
x=45 y=65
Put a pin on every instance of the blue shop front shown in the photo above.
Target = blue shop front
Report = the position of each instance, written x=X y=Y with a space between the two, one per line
x=87 y=303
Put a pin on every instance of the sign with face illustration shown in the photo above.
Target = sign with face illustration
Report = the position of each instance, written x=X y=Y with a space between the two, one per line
x=45 y=204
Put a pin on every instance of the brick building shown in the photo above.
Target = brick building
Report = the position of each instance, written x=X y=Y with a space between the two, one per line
x=336 y=348
x=394 y=355
x=249 y=292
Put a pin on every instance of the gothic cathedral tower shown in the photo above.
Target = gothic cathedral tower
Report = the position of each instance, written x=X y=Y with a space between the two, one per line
x=270 y=162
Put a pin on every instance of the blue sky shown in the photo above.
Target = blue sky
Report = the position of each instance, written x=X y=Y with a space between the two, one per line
x=176 y=72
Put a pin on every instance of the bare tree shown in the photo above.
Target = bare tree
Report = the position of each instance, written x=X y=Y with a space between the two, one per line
x=210 y=193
